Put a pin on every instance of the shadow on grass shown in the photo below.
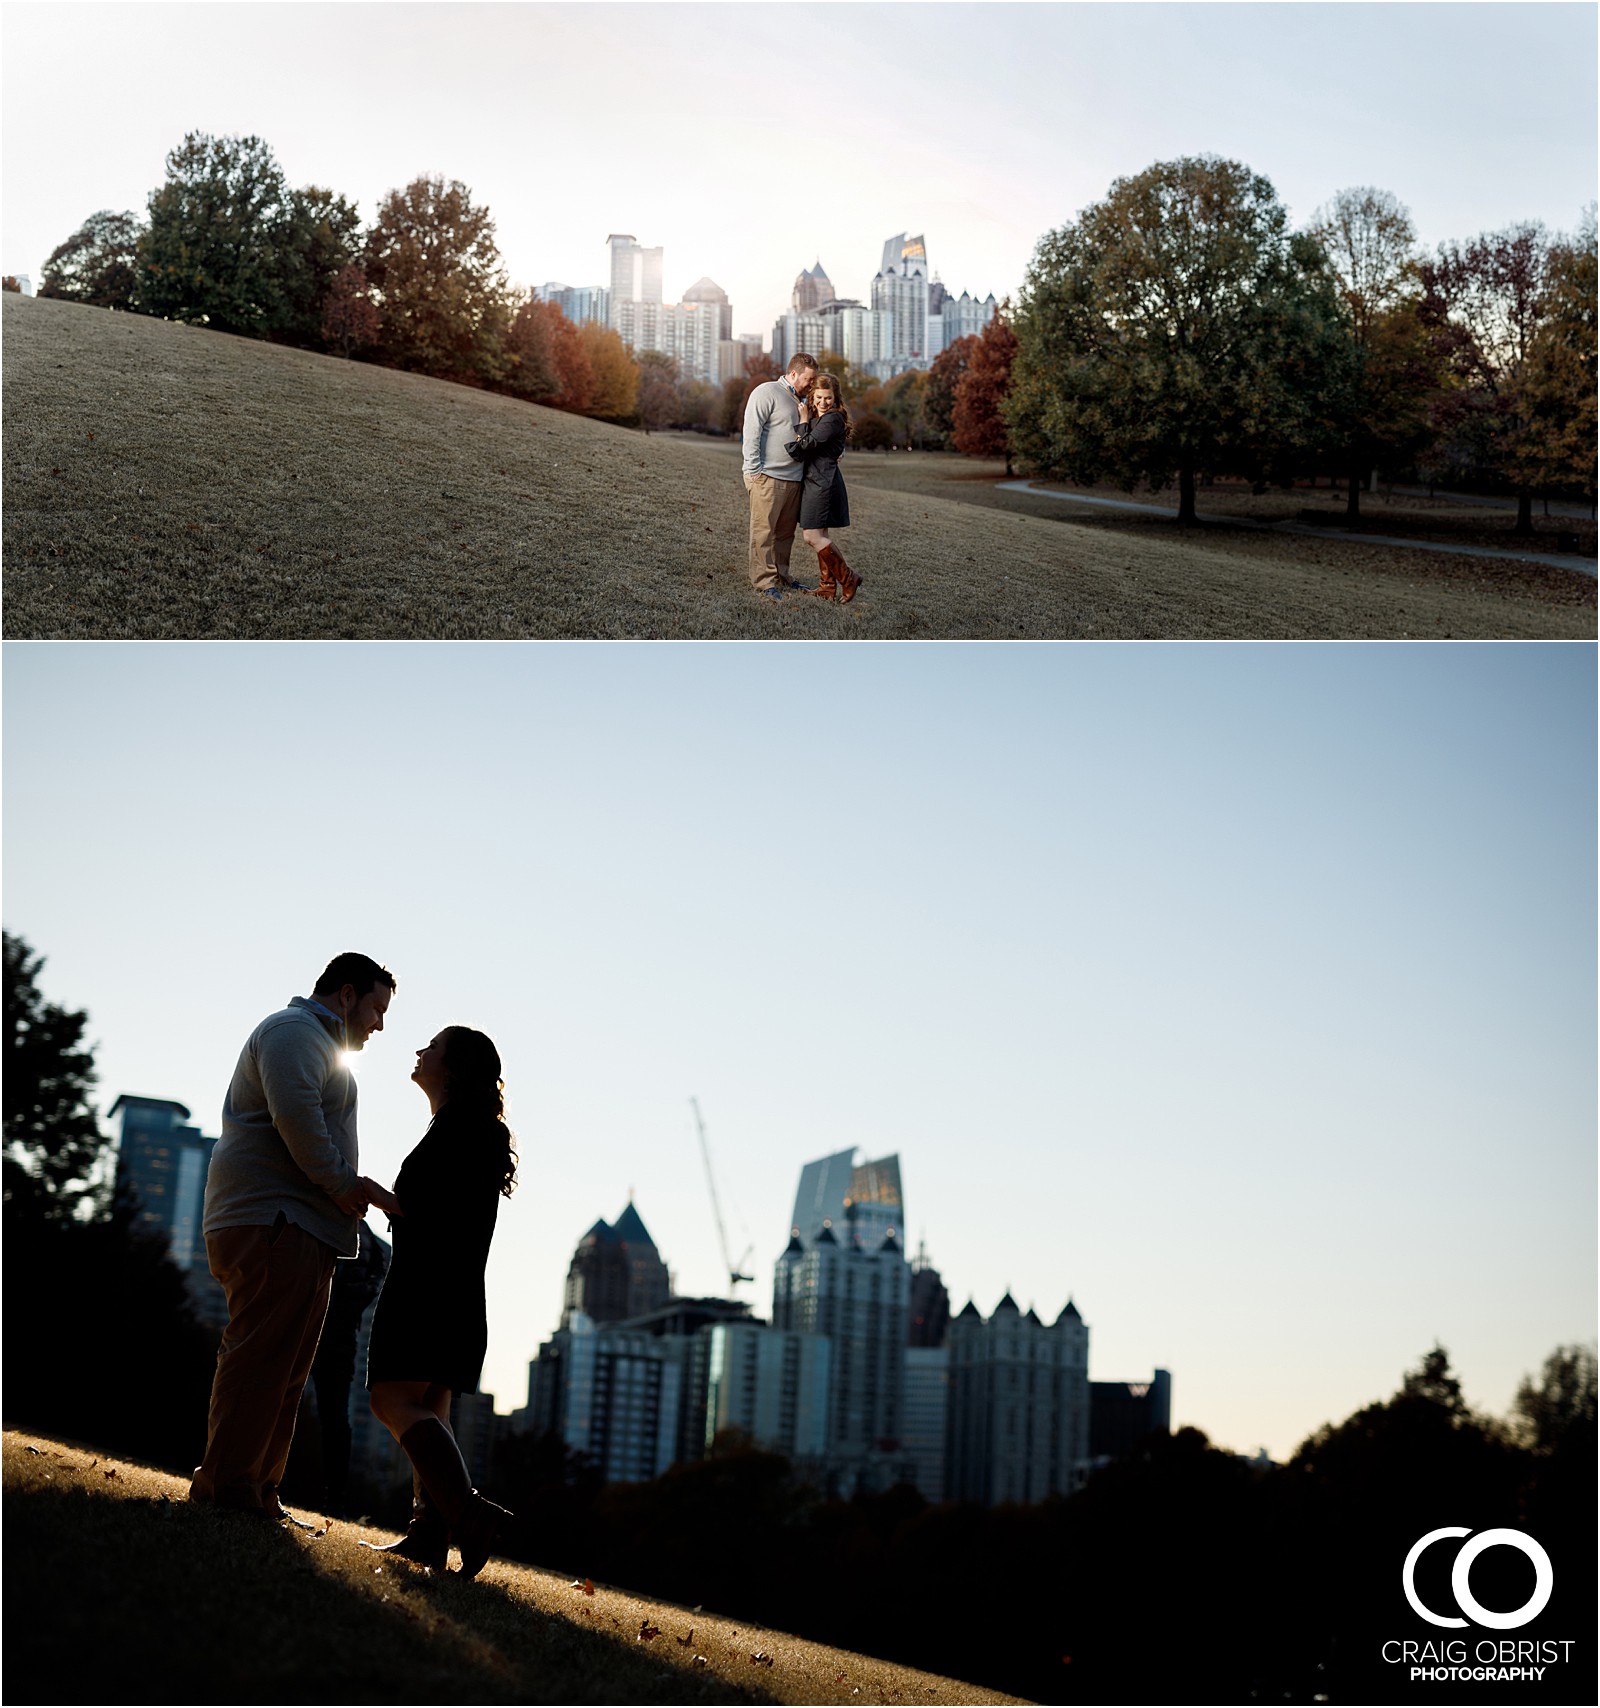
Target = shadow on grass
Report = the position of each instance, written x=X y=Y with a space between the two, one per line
x=135 y=1601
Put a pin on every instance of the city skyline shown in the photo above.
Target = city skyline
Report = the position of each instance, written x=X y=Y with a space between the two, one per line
x=1013 y=126
x=1242 y=994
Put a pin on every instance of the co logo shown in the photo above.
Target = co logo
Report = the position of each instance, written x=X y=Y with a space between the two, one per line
x=1543 y=1573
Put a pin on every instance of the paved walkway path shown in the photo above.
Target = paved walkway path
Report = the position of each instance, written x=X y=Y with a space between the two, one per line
x=1583 y=565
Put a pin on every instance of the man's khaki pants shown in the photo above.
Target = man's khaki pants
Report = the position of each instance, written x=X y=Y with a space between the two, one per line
x=276 y=1280
x=774 y=515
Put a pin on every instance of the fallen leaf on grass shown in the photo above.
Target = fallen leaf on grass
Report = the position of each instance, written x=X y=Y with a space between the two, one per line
x=111 y=1473
x=761 y=1658
x=648 y=1632
x=700 y=1660
x=686 y=1641
x=35 y=1451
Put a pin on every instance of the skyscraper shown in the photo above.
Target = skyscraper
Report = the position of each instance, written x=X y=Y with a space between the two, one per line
x=162 y=1160
x=812 y=289
x=1019 y=1405
x=635 y=272
x=848 y=1279
x=708 y=293
x=901 y=287
x=616 y=1272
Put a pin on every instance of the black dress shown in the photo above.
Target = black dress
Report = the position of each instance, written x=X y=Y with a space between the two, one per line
x=431 y=1323
x=819 y=444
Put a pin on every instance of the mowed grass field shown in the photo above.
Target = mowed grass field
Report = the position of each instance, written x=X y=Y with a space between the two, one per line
x=167 y=482
x=121 y=1591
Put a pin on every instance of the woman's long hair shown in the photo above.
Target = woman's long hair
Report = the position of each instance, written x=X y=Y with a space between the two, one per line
x=476 y=1089
x=836 y=392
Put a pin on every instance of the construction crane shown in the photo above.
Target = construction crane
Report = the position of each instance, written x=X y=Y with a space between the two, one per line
x=735 y=1272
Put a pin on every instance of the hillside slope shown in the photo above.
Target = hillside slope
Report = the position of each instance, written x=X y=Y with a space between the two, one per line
x=167 y=482
x=120 y=1591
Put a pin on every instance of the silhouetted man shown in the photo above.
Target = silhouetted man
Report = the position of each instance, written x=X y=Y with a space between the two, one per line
x=283 y=1199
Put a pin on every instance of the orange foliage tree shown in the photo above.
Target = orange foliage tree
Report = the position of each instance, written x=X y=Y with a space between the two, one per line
x=980 y=428
x=615 y=393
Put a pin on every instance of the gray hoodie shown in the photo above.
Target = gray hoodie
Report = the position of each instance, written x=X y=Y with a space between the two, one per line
x=288 y=1131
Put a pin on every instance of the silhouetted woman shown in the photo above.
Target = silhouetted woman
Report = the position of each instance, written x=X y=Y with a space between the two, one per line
x=824 y=503
x=430 y=1328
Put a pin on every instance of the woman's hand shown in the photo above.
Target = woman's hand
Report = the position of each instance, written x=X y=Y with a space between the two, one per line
x=380 y=1197
x=805 y=410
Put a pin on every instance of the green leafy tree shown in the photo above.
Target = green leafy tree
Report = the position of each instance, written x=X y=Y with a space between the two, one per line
x=435 y=273
x=211 y=252
x=55 y=1153
x=978 y=420
x=698 y=403
x=1176 y=327
x=657 y=402
x=318 y=238
x=900 y=402
x=98 y=264
x=1558 y=389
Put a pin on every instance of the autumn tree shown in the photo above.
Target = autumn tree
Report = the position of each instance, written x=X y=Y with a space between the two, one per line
x=658 y=389
x=435 y=273
x=614 y=393
x=1176 y=327
x=530 y=368
x=98 y=264
x=349 y=319
x=730 y=407
x=11 y=283
x=978 y=419
x=569 y=355
x=1382 y=411
x=870 y=431
x=1558 y=387
x=939 y=399
x=854 y=382
x=1486 y=300
x=758 y=369
x=210 y=254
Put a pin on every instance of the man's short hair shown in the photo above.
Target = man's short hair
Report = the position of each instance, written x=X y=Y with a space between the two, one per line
x=800 y=360
x=350 y=968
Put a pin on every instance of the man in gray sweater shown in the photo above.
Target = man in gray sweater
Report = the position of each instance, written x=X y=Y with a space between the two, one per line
x=772 y=478
x=283 y=1199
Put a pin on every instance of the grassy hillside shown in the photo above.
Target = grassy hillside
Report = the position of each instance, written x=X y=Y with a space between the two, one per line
x=162 y=481
x=118 y=1590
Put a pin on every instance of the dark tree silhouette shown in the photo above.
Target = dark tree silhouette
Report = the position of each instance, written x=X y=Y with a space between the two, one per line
x=98 y=264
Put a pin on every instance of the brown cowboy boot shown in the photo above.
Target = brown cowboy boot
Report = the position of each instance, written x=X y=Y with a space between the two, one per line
x=825 y=586
x=426 y=1541
x=474 y=1522
x=842 y=573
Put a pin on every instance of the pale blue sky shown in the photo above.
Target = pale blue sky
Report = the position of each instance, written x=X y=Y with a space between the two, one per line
x=1246 y=994
x=751 y=140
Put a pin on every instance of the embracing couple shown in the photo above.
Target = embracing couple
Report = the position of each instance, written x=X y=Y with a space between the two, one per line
x=283 y=1206
x=795 y=428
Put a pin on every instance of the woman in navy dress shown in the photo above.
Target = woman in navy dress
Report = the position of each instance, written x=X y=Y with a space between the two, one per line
x=824 y=503
x=430 y=1326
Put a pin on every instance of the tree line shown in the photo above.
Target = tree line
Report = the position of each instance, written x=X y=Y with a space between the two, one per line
x=226 y=243
x=1180 y=330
